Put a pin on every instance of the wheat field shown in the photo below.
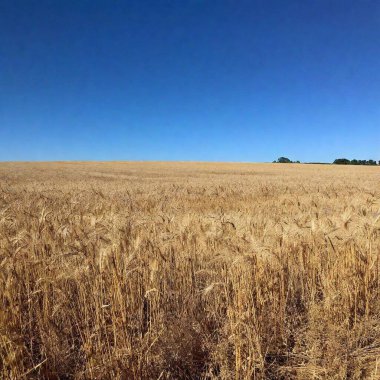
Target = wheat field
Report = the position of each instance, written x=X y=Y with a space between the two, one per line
x=189 y=271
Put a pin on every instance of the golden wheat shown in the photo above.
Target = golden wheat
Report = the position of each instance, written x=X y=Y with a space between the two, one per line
x=189 y=271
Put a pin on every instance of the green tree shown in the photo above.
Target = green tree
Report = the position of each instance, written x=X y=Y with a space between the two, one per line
x=342 y=161
x=284 y=160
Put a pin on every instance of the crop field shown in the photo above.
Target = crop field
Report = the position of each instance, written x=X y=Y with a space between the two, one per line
x=189 y=271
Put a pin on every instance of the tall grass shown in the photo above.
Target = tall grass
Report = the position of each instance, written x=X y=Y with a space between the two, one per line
x=189 y=271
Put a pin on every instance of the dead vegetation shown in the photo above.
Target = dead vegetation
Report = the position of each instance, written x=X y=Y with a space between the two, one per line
x=189 y=271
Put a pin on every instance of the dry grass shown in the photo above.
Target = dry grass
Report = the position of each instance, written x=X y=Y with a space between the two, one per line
x=189 y=271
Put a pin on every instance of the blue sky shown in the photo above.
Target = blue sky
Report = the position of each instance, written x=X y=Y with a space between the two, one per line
x=189 y=80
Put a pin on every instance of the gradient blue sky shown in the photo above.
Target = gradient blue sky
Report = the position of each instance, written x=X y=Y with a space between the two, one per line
x=189 y=80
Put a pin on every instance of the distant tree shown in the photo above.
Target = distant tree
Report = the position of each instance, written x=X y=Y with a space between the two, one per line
x=297 y=162
x=284 y=160
x=342 y=161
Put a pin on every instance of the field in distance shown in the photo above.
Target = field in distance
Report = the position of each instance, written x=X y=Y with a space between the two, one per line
x=127 y=270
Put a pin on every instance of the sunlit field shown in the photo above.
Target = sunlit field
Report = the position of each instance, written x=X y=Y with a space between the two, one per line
x=189 y=271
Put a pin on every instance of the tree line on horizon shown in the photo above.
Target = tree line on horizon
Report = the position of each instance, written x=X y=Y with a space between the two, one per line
x=338 y=161
x=345 y=161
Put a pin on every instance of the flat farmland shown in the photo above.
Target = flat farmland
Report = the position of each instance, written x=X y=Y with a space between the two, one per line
x=179 y=270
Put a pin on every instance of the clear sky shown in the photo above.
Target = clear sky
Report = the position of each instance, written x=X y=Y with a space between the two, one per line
x=208 y=80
